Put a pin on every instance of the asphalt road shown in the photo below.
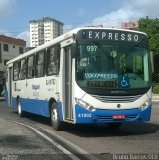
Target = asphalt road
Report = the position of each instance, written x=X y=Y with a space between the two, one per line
x=135 y=140
x=20 y=140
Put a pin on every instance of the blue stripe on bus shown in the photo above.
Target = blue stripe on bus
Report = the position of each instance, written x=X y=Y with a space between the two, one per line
x=106 y=116
x=83 y=115
x=39 y=107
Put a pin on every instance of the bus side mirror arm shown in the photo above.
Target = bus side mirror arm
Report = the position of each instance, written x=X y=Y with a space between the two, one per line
x=73 y=50
x=80 y=74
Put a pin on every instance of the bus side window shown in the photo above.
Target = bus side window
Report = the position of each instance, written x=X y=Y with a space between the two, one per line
x=30 y=67
x=40 y=64
x=15 y=71
x=22 y=73
x=53 y=60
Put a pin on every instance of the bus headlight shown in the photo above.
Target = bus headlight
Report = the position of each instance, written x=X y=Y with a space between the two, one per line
x=145 y=105
x=85 y=105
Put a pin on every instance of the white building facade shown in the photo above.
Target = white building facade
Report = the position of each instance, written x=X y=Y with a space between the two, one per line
x=44 y=30
x=9 y=49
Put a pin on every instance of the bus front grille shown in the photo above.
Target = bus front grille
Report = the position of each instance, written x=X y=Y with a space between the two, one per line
x=117 y=99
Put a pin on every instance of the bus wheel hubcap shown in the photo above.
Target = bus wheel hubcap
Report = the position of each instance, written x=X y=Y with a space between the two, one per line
x=19 y=109
x=54 y=115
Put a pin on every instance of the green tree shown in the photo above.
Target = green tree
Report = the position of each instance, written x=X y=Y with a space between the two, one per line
x=151 y=28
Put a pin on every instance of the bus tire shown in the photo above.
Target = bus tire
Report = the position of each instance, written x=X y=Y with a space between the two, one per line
x=114 y=125
x=55 y=118
x=20 y=112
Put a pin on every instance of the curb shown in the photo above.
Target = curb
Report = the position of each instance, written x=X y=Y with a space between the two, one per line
x=70 y=154
x=155 y=97
x=2 y=99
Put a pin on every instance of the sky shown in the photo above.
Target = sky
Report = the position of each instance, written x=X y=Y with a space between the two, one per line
x=16 y=14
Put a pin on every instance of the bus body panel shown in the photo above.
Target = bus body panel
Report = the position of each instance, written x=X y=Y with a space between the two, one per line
x=39 y=107
x=101 y=102
x=104 y=111
x=34 y=94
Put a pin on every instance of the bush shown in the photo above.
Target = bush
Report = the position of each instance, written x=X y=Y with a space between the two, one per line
x=156 y=89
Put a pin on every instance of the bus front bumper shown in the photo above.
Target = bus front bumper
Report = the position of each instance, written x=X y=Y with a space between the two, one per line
x=105 y=116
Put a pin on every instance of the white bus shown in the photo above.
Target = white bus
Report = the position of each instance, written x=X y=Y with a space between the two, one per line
x=88 y=75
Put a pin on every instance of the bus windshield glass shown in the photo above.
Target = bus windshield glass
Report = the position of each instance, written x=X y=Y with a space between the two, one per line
x=112 y=66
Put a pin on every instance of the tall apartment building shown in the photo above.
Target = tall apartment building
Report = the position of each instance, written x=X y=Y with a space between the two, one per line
x=44 y=30
x=9 y=49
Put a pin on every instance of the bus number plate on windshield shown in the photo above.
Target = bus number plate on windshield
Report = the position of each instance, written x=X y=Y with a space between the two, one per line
x=118 y=117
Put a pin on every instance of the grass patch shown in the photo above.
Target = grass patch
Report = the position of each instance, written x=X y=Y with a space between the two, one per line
x=156 y=89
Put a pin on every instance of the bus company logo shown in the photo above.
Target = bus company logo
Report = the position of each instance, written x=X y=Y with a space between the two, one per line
x=50 y=82
x=35 y=87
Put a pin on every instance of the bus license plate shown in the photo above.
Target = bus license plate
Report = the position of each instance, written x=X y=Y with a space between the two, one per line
x=118 y=117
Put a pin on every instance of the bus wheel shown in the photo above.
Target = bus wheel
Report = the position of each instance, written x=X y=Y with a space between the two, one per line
x=114 y=125
x=20 y=112
x=55 y=120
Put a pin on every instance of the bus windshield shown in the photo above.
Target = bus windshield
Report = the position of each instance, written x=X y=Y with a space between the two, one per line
x=112 y=66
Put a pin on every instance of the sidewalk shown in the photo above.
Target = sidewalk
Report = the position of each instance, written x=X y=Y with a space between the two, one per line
x=2 y=98
x=155 y=97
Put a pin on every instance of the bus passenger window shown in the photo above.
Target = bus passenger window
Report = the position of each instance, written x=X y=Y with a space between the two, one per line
x=30 y=65
x=15 y=71
x=53 y=60
x=40 y=64
x=22 y=74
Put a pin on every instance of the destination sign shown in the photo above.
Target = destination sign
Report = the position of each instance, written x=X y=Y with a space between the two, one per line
x=111 y=35
x=108 y=84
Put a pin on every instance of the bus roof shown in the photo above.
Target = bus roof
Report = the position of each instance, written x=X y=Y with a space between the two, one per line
x=64 y=37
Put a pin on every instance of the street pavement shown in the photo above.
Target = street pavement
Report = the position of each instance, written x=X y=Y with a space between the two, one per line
x=18 y=142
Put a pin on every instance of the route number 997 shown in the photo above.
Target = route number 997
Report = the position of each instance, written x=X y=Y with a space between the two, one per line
x=91 y=48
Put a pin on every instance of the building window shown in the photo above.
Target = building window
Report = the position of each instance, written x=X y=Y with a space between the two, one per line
x=21 y=50
x=5 y=47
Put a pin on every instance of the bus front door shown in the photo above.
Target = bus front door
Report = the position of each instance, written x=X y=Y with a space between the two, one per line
x=68 y=84
x=10 y=75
